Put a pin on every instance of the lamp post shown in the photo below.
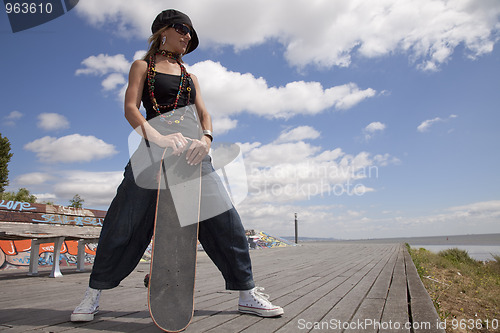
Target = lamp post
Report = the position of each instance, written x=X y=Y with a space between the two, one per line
x=296 y=230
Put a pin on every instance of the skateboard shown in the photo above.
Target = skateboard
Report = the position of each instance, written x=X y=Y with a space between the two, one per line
x=222 y=154
x=173 y=259
x=175 y=239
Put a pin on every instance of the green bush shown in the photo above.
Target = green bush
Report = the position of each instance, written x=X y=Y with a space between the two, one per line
x=495 y=265
x=457 y=256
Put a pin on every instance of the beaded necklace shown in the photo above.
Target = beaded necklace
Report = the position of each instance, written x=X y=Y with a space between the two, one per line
x=183 y=85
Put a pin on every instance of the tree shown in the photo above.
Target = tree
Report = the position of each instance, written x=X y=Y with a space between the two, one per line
x=22 y=195
x=5 y=156
x=76 y=202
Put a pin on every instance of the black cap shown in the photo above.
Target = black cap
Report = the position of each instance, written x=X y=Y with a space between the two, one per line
x=171 y=16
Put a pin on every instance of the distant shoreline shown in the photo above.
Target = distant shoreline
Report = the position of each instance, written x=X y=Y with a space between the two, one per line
x=477 y=239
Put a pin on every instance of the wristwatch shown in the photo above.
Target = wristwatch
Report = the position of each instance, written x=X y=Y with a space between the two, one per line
x=209 y=134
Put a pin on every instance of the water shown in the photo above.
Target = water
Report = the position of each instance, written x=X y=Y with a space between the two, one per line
x=478 y=252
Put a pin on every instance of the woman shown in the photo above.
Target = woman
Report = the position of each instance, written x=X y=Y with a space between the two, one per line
x=161 y=82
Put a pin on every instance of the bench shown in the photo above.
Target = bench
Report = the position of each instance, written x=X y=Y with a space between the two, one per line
x=43 y=224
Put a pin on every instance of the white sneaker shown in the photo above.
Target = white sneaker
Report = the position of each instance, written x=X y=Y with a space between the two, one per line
x=89 y=306
x=254 y=301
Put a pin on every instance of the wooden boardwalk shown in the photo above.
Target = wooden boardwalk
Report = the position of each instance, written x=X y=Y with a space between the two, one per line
x=332 y=287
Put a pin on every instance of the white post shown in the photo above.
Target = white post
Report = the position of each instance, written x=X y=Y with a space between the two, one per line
x=56 y=271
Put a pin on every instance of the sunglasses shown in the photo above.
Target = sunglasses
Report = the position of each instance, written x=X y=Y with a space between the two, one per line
x=181 y=28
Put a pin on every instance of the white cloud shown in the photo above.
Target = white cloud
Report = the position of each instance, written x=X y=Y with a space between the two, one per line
x=326 y=34
x=115 y=68
x=286 y=171
x=375 y=126
x=298 y=134
x=426 y=124
x=386 y=159
x=224 y=124
x=45 y=197
x=71 y=148
x=341 y=222
x=290 y=175
x=372 y=128
x=103 y=64
x=96 y=188
x=489 y=208
x=52 y=121
x=139 y=54
x=33 y=178
x=228 y=93
x=474 y=218
x=113 y=80
x=12 y=117
x=328 y=221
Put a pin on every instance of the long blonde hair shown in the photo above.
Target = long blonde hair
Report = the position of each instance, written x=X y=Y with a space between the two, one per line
x=154 y=42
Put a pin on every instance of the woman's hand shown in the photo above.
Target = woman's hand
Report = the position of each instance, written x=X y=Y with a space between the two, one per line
x=176 y=141
x=197 y=151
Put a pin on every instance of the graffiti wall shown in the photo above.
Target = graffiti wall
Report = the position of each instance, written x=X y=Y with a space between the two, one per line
x=16 y=253
x=256 y=240
x=262 y=240
x=15 y=211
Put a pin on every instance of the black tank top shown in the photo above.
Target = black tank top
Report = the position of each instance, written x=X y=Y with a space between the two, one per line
x=166 y=88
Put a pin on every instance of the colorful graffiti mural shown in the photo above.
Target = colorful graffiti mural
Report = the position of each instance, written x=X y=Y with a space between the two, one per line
x=16 y=205
x=262 y=240
x=15 y=211
x=16 y=253
x=72 y=220
x=256 y=240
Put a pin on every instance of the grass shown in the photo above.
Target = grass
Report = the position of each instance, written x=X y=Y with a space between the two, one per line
x=463 y=290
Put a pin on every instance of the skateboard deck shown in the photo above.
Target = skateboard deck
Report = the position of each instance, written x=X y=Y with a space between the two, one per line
x=173 y=258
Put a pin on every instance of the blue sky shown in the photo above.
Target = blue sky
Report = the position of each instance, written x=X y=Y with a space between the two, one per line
x=367 y=119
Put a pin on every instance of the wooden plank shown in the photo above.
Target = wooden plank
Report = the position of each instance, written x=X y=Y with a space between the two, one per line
x=345 y=309
x=308 y=281
x=45 y=218
x=55 y=301
x=14 y=231
x=337 y=269
x=317 y=279
x=423 y=313
x=370 y=311
x=266 y=274
x=318 y=311
x=381 y=285
x=366 y=316
x=395 y=314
